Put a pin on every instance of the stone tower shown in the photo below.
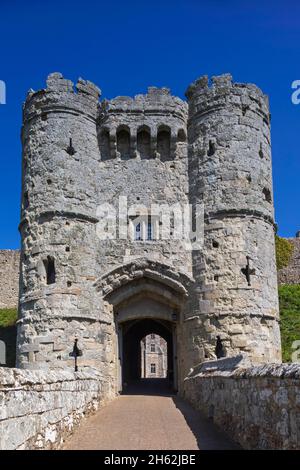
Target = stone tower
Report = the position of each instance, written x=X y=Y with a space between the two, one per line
x=100 y=259
x=230 y=171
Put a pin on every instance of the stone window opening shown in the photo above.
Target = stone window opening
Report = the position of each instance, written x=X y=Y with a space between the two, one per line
x=105 y=145
x=267 y=194
x=123 y=143
x=215 y=244
x=49 y=265
x=138 y=232
x=211 y=148
x=164 y=143
x=152 y=347
x=261 y=153
x=245 y=108
x=153 y=368
x=67 y=248
x=181 y=136
x=149 y=230
x=144 y=142
x=143 y=228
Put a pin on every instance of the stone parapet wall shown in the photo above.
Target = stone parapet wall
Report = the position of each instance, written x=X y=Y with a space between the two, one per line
x=40 y=409
x=9 y=278
x=291 y=273
x=259 y=407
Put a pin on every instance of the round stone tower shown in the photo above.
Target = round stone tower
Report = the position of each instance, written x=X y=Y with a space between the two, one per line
x=59 y=197
x=230 y=173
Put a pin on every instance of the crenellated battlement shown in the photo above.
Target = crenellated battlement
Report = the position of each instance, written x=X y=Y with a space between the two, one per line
x=156 y=100
x=206 y=95
x=61 y=95
x=144 y=127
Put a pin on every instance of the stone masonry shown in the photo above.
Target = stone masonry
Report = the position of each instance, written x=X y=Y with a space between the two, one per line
x=291 y=273
x=39 y=409
x=82 y=158
x=9 y=278
x=259 y=407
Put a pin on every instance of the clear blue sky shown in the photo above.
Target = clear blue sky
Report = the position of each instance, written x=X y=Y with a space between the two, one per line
x=124 y=46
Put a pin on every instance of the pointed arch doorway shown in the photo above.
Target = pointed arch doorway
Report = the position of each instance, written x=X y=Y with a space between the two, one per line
x=130 y=334
x=145 y=297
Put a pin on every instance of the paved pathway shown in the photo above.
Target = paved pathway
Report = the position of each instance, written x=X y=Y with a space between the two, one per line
x=148 y=419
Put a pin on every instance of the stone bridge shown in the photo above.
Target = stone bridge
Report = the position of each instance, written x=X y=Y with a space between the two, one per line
x=227 y=404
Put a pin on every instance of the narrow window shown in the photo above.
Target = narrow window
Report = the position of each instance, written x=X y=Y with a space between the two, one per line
x=123 y=144
x=153 y=368
x=143 y=143
x=152 y=347
x=211 y=149
x=150 y=230
x=152 y=336
x=49 y=265
x=261 y=153
x=164 y=144
x=267 y=194
x=181 y=137
x=138 y=234
x=105 y=145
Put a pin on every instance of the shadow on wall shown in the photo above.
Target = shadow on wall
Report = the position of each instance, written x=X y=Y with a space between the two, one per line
x=206 y=433
x=8 y=341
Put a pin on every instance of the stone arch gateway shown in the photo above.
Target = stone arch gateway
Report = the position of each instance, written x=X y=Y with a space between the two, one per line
x=145 y=297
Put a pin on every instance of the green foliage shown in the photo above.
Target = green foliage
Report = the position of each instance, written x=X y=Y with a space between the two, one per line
x=284 y=251
x=289 y=302
x=8 y=316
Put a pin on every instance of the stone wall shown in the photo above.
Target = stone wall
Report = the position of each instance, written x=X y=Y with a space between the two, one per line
x=9 y=278
x=40 y=409
x=259 y=407
x=291 y=274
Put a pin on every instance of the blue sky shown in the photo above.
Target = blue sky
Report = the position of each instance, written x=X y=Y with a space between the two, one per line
x=125 y=46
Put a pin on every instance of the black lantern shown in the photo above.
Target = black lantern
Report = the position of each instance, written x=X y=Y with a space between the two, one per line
x=76 y=353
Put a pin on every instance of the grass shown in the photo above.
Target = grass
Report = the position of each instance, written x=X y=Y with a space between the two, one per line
x=8 y=316
x=289 y=301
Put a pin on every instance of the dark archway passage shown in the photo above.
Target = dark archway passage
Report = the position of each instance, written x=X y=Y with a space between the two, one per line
x=133 y=331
